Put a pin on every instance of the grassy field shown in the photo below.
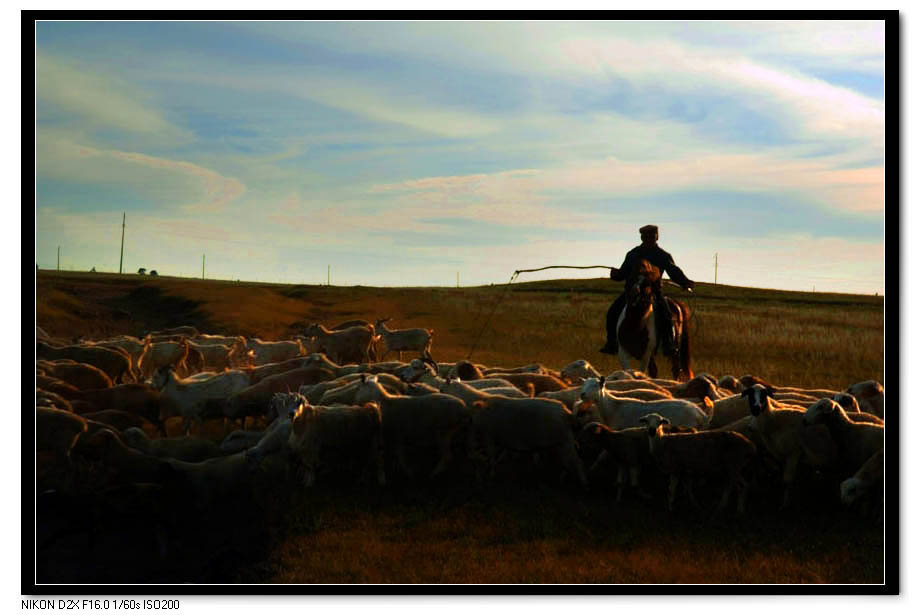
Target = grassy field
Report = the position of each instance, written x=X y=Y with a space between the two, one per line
x=526 y=527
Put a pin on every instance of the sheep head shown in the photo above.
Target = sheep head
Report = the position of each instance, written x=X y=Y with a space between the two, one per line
x=757 y=396
x=592 y=389
x=654 y=422
x=822 y=411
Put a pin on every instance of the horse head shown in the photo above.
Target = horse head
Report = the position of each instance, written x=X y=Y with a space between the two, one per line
x=647 y=277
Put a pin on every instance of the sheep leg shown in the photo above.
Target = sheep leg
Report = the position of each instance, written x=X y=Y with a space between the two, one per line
x=634 y=481
x=688 y=487
x=446 y=455
x=742 y=493
x=571 y=462
x=604 y=454
x=621 y=480
x=789 y=471
x=725 y=496
x=403 y=463
x=672 y=491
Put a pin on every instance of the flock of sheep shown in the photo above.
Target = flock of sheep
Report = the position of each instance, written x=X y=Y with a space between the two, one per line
x=324 y=402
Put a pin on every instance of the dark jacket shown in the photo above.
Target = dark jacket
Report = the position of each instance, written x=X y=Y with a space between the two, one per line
x=655 y=256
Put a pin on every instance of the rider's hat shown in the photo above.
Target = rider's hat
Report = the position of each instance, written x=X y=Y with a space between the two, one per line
x=649 y=229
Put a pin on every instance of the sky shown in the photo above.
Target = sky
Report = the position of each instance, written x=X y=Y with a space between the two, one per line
x=414 y=153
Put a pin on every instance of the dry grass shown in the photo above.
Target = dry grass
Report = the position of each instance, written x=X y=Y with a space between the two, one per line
x=532 y=530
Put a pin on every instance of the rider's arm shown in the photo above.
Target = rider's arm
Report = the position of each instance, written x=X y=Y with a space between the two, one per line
x=619 y=275
x=676 y=274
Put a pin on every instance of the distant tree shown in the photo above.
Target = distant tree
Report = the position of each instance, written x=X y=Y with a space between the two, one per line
x=93 y=270
x=142 y=271
x=154 y=272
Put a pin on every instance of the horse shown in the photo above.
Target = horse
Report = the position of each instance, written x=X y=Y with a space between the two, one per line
x=637 y=326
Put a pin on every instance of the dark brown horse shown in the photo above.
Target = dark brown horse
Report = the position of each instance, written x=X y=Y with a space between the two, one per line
x=637 y=326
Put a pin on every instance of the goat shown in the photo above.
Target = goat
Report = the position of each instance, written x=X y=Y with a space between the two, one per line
x=191 y=400
x=273 y=352
x=157 y=355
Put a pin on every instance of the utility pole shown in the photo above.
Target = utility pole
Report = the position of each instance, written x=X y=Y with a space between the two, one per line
x=328 y=275
x=59 y=258
x=717 y=269
x=458 y=279
x=121 y=258
x=202 y=266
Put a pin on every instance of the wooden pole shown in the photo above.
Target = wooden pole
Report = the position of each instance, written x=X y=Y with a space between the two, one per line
x=59 y=258
x=202 y=266
x=328 y=275
x=716 y=281
x=121 y=258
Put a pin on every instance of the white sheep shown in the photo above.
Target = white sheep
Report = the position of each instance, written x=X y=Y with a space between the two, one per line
x=319 y=434
x=857 y=441
x=871 y=396
x=426 y=420
x=351 y=345
x=191 y=399
x=263 y=353
x=868 y=477
x=418 y=340
x=157 y=355
x=576 y=371
x=531 y=425
x=621 y=412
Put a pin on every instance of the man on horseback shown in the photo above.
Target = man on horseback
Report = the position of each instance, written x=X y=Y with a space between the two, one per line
x=650 y=251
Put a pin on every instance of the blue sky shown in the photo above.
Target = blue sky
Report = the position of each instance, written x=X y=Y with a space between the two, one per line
x=403 y=153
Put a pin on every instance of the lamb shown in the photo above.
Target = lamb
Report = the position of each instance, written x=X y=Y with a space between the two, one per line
x=273 y=352
x=191 y=400
x=532 y=425
x=871 y=396
x=869 y=477
x=184 y=448
x=857 y=441
x=707 y=453
x=621 y=412
x=351 y=345
x=332 y=436
x=403 y=339
x=80 y=375
x=576 y=371
x=158 y=355
x=627 y=447
x=115 y=363
x=416 y=420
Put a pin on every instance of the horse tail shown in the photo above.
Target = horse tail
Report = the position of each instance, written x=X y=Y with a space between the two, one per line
x=685 y=341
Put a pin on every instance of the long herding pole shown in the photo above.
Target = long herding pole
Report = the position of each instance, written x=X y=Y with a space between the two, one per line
x=121 y=258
